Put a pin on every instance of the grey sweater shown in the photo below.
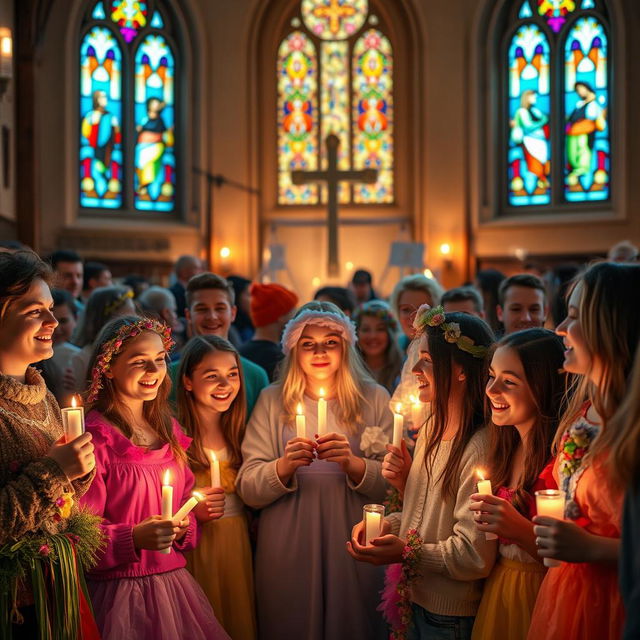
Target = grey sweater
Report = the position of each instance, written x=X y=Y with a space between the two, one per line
x=455 y=556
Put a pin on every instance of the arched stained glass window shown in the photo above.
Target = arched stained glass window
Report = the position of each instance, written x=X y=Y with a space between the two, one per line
x=335 y=76
x=557 y=82
x=127 y=108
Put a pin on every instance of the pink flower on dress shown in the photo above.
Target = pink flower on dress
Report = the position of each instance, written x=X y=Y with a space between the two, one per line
x=44 y=550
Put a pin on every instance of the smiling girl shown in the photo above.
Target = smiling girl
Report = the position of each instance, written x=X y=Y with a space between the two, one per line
x=312 y=489
x=40 y=473
x=136 y=591
x=580 y=599
x=443 y=554
x=525 y=391
x=212 y=407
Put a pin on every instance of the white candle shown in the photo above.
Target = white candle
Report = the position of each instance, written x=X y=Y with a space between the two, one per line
x=484 y=487
x=188 y=507
x=550 y=502
x=398 y=426
x=73 y=420
x=372 y=515
x=215 y=470
x=322 y=414
x=167 y=501
x=416 y=412
x=301 y=423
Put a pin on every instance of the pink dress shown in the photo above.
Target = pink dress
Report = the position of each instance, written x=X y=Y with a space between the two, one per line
x=138 y=593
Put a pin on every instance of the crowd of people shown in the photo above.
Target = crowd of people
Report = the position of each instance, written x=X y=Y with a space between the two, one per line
x=233 y=435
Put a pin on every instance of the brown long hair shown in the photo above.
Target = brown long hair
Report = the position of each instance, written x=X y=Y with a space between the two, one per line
x=156 y=412
x=232 y=421
x=443 y=355
x=18 y=271
x=541 y=353
x=610 y=317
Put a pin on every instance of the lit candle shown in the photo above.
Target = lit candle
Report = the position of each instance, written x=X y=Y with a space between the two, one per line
x=188 y=506
x=167 y=501
x=215 y=470
x=484 y=487
x=322 y=414
x=550 y=502
x=73 y=420
x=301 y=423
x=372 y=515
x=6 y=53
x=416 y=412
x=398 y=425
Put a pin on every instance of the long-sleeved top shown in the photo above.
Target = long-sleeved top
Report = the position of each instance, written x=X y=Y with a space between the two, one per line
x=128 y=489
x=630 y=563
x=455 y=556
x=31 y=482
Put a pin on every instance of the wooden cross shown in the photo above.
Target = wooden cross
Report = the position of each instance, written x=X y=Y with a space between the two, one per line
x=332 y=176
x=335 y=13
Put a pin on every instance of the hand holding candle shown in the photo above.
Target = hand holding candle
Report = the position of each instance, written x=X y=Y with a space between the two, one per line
x=73 y=420
x=301 y=423
x=322 y=414
x=550 y=502
x=215 y=470
x=398 y=426
x=167 y=501
x=372 y=515
x=484 y=487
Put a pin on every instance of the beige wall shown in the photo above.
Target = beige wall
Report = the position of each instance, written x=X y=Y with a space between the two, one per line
x=441 y=199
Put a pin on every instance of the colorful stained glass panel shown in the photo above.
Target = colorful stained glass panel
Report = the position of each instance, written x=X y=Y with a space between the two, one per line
x=334 y=19
x=101 y=117
x=587 y=142
x=98 y=12
x=556 y=11
x=334 y=108
x=297 y=117
x=525 y=10
x=154 y=116
x=373 y=116
x=529 y=150
x=130 y=16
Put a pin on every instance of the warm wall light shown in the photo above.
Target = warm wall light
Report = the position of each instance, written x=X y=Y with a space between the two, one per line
x=445 y=249
x=315 y=282
x=225 y=253
x=349 y=266
x=6 y=58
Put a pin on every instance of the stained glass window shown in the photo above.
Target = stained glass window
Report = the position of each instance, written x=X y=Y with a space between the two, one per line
x=346 y=90
x=127 y=137
x=557 y=81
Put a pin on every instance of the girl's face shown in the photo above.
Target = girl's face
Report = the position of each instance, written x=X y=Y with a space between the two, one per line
x=214 y=381
x=373 y=337
x=319 y=353
x=139 y=369
x=408 y=304
x=66 y=324
x=512 y=403
x=577 y=357
x=26 y=331
x=423 y=370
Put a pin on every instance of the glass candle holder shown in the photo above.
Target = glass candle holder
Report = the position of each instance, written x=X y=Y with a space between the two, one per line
x=372 y=515
x=550 y=502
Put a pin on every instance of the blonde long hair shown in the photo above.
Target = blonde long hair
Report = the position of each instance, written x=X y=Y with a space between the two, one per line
x=351 y=378
x=609 y=312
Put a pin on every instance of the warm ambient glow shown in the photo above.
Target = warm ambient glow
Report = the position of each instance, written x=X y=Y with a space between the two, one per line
x=299 y=409
x=445 y=249
x=315 y=281
x=322 y=393
x=74 y=402
x=225 y=252
x=6 y=46
x=428 y=274
x=349 y=266
x=398 y=407
x=480 y=474
x=166 y=478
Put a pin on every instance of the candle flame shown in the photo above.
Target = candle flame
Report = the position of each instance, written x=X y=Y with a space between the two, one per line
x=322 y=393
x=74 y=402
x=213 y=456
x=299 y=409
x=398 y=407
x=480 y=474
x=199 y=496
x=166 y=478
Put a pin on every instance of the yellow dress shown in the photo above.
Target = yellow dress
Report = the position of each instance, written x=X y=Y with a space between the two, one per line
x=221 y=563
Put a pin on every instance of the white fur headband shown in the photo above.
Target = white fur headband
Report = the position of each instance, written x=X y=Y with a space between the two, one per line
x=294 y=328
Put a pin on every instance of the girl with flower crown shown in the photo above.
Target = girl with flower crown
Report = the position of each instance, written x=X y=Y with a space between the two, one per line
x=580 y=599
x=312 y=488
x=212 y=408
x=137 y=591
x=44 y=539
x=441 y=556
x=525 y=390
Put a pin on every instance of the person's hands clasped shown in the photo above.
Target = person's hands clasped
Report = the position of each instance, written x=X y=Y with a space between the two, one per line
x=386 y=549
x=156 y=533
x=299 y=452
x=75 y=458
x=396 y=466
x=497 y=515
x=335 y=447
x=212 y=507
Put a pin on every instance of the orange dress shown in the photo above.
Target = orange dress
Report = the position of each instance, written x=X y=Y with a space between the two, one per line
x=581 y=601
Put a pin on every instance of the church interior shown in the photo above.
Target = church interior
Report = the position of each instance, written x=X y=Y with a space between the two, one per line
x=466 y=110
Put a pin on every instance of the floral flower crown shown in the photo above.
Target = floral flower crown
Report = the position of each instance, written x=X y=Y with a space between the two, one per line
x=117 y=303
x=428 y=317
x=113 y=347
x=379 y=312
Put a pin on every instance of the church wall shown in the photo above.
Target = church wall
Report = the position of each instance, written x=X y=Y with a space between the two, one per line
x=7 y=128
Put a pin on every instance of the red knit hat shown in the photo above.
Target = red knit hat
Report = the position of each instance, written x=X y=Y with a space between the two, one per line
x=269 y=302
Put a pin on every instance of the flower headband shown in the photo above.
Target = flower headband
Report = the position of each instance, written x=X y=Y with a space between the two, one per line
x=379 y=312
x=340 y=324
x=117 y=303
x=112 y=348
x=428 y=317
